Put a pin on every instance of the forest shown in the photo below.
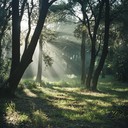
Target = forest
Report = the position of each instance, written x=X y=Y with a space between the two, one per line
x=63 y=64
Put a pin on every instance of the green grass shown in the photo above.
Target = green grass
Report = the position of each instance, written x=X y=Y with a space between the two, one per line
x=66 y=105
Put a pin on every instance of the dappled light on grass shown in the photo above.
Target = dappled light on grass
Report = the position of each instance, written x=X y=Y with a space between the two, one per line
x=13 y=116
x=39 y=117
x=29 y=93
x=65 y=105
x=117 y=91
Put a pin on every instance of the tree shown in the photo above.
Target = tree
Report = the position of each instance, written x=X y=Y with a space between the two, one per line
x=16 y=20
x=93 y=19
x=120 y=41
x=5 y=14
x=83 y=47
x=52 y=17
x=105 y=47
x=120 y=63
x=117 y=56
x=26 y=59
x=82 y=31
x=39 y=72
x=93 y=37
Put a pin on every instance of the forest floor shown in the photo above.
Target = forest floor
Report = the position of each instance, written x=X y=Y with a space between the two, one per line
x=66 y=105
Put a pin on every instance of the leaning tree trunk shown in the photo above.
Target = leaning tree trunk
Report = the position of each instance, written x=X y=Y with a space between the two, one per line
x=26 y=59
x=105 y=47
x=15 y=43
x=83 y=75
x=39 y=72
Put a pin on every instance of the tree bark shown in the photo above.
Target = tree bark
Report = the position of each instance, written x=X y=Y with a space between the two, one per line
x=39 y=72
x=83 y=47
x=90 y=72
x=15 y=36
x=105 y=47
x=83 y=54
x=93 y=49
x=26 y=59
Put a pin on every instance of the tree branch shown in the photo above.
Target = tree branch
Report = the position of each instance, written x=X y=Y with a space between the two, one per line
x=22 y=10
x=88 y=24
x=73 y=12
x=51 y=2
x=92 y=10
x=99 y=45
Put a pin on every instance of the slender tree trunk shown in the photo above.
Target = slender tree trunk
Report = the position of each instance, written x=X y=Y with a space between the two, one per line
x=0 y=51
x=83 y=75
x=103 y=73
x=91 y=69
x=1 y=37
x=105 y=47
x=93 y=49
x=39 y=72
x=15 y=36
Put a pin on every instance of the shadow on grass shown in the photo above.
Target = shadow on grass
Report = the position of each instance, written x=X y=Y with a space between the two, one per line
x=120 y=90
x=2 y=113
x=54 y=116
x=83 y=94
x=42 y=112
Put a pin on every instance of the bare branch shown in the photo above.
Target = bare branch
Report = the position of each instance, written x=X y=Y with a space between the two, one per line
x=92 y=10
x=97 y=21
x=22 y=9
x=29 y=23
x=99 y=45
x=88 y=24
x=73 y=12
x=4 y=3
x=51 y=2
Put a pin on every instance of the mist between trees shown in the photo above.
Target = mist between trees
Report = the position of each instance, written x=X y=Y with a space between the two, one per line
x=58 y=39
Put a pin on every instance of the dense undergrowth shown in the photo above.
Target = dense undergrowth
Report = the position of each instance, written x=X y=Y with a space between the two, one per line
x=66 y=105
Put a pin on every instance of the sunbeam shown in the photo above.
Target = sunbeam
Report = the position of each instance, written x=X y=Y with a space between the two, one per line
x=65 y=53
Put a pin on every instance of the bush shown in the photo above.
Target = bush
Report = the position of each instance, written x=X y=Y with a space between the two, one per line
x=120 y=63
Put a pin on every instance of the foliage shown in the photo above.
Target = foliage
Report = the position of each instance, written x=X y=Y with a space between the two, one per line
x=78 y=30
x=4 y=39
x=117 y=55
x=13 y=115
x=121 y=63
x=47 y=60
x=5 y=59
x=4 y=67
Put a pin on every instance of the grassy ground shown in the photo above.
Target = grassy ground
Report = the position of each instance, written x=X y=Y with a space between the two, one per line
x=67 y=105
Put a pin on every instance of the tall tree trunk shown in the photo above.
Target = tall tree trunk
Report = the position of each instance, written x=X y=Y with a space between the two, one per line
x=83 y=75
x=105 y=47
x=1 y=36
x=91 y=69
x=39 y=72
x=15 y=36
x=26 y=59
x=0 y=52
x=93 y=49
